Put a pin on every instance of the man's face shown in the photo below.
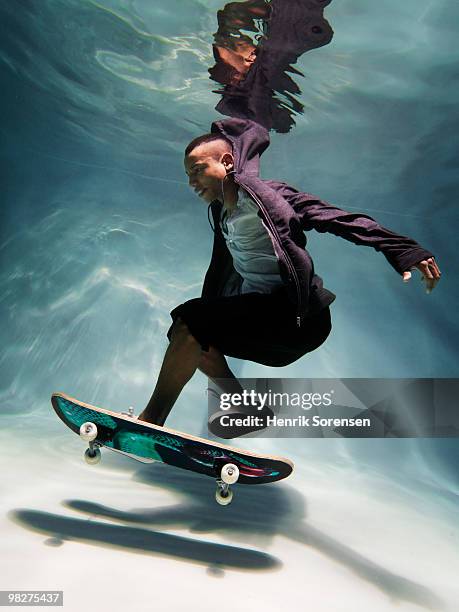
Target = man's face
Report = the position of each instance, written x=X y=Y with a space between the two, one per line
x=241 y=57
x=206 y=167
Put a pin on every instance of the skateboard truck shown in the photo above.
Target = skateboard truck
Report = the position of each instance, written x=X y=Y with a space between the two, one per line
x=88 y=432
x=229 y=474
x=130 y=412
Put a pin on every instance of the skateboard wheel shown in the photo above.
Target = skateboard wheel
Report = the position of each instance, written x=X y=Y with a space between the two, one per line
x=92 y=456
x=223 y=498
x=88 y=432
x=230 y=473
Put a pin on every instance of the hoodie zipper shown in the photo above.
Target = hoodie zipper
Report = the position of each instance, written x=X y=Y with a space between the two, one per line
x=290 y=265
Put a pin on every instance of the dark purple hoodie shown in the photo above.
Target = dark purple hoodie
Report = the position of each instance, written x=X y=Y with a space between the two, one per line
x=287 y=214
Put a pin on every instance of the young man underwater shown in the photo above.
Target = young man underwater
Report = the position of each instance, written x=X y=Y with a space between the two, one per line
x=261 y=300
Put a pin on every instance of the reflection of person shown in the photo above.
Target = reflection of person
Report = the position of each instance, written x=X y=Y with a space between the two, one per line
x=234 y=51
x=261 y=299
x=254 y=72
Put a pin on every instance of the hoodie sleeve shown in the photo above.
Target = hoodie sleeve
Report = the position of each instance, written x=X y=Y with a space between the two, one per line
x=400 y=251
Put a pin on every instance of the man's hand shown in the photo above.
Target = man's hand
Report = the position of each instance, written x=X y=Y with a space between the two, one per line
x=430 y=273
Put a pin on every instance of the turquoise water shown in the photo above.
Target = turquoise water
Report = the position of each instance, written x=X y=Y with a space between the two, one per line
x=101 y=236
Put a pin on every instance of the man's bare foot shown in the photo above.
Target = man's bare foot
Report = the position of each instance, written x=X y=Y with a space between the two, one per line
x=144 y=417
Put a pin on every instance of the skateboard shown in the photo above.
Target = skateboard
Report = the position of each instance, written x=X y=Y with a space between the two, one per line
x=122 y=432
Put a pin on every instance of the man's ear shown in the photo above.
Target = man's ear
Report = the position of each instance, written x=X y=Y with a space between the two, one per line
x=228 y=161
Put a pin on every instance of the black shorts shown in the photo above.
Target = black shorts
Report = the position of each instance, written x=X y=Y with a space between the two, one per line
x=258 y=327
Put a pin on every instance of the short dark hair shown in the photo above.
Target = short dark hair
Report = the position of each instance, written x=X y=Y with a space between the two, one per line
x=206 y=138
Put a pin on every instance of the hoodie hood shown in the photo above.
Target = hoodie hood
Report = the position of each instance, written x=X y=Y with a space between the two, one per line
x=249 y=140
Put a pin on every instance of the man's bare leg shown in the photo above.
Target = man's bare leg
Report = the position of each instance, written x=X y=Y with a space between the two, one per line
x=183 y=356
x=214 y=365
x=179 y=364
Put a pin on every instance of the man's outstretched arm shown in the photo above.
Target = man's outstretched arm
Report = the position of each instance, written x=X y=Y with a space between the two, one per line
x=402 y=253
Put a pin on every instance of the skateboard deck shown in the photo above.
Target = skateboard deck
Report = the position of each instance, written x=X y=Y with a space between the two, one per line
x=148 y=443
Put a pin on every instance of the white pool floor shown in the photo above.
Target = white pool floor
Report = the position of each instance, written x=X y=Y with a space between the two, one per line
x=122 y=535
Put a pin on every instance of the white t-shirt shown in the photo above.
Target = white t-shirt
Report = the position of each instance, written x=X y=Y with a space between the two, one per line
x=250 y=246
